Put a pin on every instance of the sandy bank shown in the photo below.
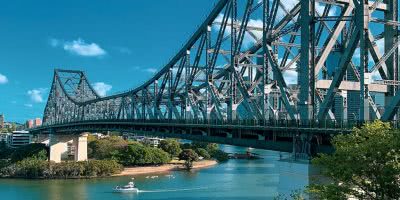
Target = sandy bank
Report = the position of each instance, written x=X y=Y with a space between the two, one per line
x=131 y=171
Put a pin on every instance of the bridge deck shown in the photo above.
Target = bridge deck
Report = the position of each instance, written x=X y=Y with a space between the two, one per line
x=277 y=135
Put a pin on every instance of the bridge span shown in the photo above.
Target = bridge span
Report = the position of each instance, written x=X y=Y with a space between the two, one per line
x=255 y=73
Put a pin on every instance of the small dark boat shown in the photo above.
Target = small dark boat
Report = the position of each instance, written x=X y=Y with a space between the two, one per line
x=248 y=155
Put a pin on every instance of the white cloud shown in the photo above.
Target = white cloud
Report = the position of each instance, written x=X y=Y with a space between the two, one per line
x=381 y=46
x=290 y=76
x=28 y=105
x=150 y=70
x=3 y=79
x=248 y=39
x=102 y=88
x=79 y=47
x=289 y=5
x=36 y=95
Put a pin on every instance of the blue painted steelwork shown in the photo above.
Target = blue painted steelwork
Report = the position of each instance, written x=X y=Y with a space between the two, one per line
x=236 y=69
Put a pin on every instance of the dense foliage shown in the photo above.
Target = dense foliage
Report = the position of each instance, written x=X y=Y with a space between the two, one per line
x=204 y=145
x=189 y=156
x=10 y=129
x=105 y=148
x=294 y=195
x=140 y=155
x=212 y=150
x=203 y=153
x=365 y=165
x=34 y=167
x=219 y=155
x=17 y=154
x=171 y=146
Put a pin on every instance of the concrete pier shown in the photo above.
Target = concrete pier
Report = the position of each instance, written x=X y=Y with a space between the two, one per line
x=80 y=144
x=59 y=147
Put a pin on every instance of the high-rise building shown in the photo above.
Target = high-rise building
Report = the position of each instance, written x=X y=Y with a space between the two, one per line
x=1 y=120
x=37 y=122
x=29 y=123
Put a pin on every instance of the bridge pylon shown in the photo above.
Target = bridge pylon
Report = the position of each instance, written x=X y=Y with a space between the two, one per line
x=64 y=146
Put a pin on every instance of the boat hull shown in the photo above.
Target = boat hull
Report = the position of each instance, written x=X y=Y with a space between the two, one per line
x=133 y=190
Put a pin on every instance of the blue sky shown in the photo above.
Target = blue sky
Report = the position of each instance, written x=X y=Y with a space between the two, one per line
x=119 y=44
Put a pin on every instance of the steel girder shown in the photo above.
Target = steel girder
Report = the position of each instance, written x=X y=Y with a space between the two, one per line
x=241 y=63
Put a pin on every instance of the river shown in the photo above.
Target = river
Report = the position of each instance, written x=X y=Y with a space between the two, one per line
x=236 y=179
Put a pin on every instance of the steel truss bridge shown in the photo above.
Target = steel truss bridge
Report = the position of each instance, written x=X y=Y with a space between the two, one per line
x=231 y=81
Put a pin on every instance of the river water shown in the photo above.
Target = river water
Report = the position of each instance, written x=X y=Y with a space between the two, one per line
x=236 y=179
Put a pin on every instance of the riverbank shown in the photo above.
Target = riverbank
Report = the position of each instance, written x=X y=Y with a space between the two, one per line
x=132 y=171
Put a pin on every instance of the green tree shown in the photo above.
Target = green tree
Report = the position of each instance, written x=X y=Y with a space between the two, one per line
x=30 y=150
x=203 y=153
x=220 y=155
x=294 y=195
x=212 y=147
x=365 y=165
x=12 y=128
x=105 y=148
x=189 y=156
x=186 y=146
x=198 y=144
x=139 y=155
x=171 y=146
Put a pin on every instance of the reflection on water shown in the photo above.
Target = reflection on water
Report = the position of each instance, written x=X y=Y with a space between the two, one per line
x=236 y=179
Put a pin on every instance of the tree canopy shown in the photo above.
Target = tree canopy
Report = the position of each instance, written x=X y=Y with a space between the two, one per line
x=105 y=148
x=365 y=164
x=171 y=146
x=189 y=156
x=139 y=155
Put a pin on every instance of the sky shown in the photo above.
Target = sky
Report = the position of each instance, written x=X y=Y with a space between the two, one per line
x=119 y=44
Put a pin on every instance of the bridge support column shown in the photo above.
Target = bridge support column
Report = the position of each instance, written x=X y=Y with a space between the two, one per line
x=58 y=147
x=80 y=144
x=261 y=137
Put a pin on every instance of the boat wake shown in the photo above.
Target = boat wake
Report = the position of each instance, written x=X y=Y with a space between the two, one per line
x=174 y=190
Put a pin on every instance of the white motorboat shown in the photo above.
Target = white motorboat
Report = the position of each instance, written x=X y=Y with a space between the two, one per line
x=127 y=188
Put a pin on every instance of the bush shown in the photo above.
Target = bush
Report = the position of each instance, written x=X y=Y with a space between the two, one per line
x=171 y=146
x=189 y=156
x=365 y=164
x=105 y=148
x=30 y=168
x=197 y=144
x=31 y=150
x=203 y=153
x=186 y=146
x=37 y=168
x=220 y=155
x=212 y=147
x=139 y=155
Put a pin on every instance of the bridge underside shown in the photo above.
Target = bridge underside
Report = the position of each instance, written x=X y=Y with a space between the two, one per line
x=279 y=137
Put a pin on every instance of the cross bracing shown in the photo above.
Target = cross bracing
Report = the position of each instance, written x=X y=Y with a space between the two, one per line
x=308 y=60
